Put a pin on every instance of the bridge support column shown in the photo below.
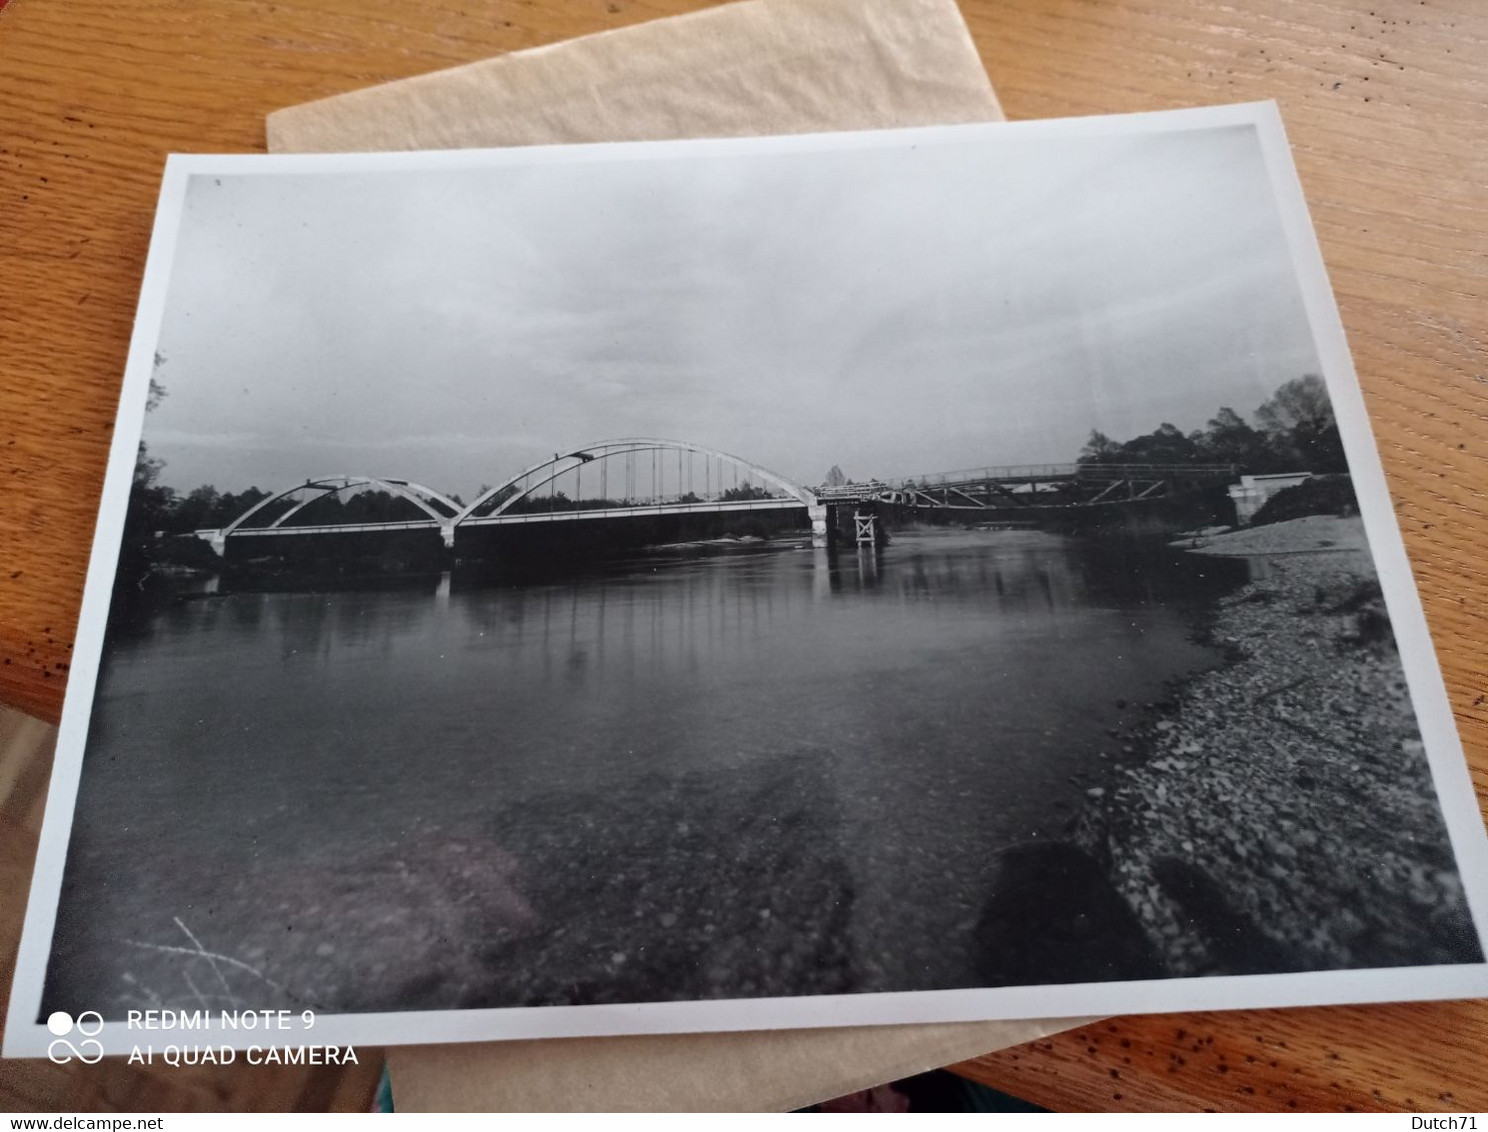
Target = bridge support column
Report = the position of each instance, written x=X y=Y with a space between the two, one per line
x=821 y=525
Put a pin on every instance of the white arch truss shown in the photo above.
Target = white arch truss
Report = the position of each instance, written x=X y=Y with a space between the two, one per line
x=322 y=486
x=546 y=471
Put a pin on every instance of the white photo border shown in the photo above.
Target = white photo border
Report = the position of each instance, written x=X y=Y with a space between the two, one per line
x=26 y=1036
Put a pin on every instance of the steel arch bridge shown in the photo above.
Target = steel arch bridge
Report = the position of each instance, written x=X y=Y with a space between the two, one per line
x=631 y=477
x=651 y=477
x=438 y=510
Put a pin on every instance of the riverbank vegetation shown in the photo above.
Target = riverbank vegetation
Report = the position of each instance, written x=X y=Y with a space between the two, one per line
x=1320 y=495
x=1294 y=430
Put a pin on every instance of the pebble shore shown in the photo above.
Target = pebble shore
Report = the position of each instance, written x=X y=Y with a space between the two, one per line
x=1278 y=813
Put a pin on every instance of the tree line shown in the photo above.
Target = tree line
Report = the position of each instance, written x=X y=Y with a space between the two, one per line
x=1294 y=431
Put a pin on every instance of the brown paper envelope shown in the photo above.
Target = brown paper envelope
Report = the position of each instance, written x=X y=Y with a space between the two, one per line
x=758 y=67
x=762 y=1070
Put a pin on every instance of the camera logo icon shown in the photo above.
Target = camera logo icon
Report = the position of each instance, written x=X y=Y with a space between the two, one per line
x=87 y=1024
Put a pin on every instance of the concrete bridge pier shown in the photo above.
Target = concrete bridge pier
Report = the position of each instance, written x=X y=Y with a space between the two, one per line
x=850 y=523
x=821 y=525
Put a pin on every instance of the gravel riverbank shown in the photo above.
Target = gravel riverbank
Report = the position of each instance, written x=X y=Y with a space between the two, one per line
x=1278 y=813
x=1295 y=536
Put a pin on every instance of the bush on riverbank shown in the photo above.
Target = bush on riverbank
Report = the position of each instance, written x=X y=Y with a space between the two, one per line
x=1320 y=495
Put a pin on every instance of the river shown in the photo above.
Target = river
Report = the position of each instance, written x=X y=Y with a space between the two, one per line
x=690 y=774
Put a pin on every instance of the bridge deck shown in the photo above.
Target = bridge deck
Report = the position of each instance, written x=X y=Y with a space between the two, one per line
x=1057 y=473
x=999 y=486
x=707 y=507
x=336 y=528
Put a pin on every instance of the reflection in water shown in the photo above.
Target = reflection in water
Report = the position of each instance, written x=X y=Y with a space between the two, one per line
x=778 y=771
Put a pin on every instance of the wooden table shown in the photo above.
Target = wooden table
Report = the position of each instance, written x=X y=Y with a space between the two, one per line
x=1385 y=106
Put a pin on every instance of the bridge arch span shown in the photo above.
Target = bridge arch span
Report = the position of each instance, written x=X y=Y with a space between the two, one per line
x=510 y=492
x=439 y=508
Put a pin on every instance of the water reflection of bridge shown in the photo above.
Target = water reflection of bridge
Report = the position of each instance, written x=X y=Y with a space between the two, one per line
x=640 y=491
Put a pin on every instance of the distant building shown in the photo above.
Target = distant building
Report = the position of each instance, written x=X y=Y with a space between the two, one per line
x=1252 y=492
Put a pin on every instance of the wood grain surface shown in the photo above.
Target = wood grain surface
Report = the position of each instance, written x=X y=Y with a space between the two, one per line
x=1385 y=106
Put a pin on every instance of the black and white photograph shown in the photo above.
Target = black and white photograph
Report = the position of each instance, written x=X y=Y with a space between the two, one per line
x=756 y=582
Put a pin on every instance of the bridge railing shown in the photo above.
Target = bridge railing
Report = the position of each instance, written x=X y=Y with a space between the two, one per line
x=1028 y=473
x=854 y=490
x=1156 y=471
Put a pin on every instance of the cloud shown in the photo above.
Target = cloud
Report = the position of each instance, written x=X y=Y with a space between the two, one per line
x=985 y=302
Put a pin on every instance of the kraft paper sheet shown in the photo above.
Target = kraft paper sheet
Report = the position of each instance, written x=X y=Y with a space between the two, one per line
x=758 y=67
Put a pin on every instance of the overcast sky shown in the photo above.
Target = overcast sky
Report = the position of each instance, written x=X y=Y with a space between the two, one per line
x=895 y=311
